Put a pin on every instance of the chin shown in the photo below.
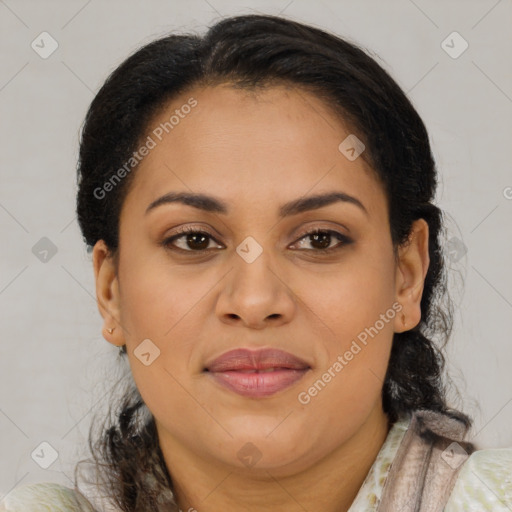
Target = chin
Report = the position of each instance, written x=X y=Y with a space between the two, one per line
x=272 y=459
x=268 y=448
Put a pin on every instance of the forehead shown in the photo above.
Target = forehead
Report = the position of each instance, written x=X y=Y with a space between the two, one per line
x=278 y=142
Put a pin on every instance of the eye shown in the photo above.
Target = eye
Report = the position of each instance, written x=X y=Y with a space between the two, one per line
x=191 y=239
x=321 y=240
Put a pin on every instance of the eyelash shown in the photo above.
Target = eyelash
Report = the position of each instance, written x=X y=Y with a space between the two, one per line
x=167 y=243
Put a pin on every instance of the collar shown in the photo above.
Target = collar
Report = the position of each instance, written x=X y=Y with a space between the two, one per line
x=368 y=497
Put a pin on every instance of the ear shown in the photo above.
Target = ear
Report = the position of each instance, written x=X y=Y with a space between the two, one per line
x=107 y=292
x=413 y=263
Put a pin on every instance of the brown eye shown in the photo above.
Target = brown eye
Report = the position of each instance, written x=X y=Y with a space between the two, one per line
x=190 y=240
x=198 y=241
x=321 y=239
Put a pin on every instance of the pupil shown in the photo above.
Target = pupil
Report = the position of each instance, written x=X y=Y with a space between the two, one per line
x=323 y=243
x=192 y=239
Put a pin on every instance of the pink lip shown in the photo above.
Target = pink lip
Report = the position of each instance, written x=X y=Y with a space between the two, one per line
x=241 y=371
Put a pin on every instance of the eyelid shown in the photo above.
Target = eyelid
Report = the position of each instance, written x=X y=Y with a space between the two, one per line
x=192 y=228
x=184 y=230
x=315 y=227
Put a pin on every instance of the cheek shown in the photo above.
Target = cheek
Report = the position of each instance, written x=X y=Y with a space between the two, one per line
x=349 y=379
x=157 y=303
x=354 y=310
x=352 y=297
x=156 y=296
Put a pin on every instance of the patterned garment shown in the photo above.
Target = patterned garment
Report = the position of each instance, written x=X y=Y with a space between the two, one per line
x=483 y=484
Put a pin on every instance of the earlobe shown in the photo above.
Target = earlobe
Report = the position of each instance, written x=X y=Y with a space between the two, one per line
x=107 y=291
x=413 y=263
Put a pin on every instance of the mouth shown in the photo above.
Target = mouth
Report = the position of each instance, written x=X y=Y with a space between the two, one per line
x=257 y=373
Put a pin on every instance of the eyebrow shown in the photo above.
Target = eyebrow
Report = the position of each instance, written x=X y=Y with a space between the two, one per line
x=212 y=204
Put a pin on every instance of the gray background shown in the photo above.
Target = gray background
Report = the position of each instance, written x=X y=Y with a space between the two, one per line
x=55 y=366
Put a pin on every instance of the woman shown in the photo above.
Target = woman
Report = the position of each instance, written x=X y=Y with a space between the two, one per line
x=267 y=255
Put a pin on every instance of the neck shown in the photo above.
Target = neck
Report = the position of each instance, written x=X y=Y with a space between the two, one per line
x=330 y=485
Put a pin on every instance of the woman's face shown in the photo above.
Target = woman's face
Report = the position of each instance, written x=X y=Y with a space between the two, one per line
x=252 y=278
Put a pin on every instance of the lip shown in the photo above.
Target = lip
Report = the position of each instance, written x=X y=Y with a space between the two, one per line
x=257 y=373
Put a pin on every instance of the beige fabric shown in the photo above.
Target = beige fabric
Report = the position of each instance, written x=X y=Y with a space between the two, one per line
x=426 y=464
x=484 y=483
x=369 y=494
x=45 y=497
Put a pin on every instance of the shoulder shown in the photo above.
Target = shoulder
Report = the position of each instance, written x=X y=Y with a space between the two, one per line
x=485 y=479
x=42 y=497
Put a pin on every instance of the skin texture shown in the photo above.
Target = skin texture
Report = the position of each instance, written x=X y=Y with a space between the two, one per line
x=257 y=152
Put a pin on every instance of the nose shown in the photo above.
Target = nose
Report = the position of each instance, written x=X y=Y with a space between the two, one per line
x=256 y=295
